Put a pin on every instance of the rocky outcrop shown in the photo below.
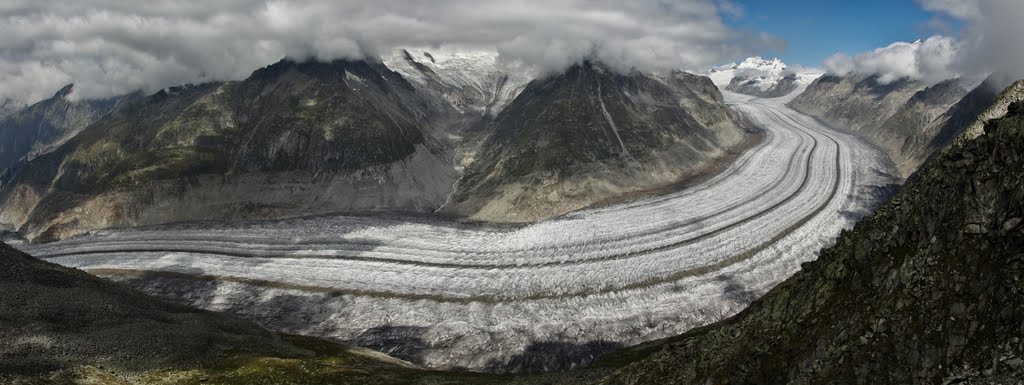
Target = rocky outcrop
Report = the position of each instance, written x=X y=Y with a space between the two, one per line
x=928 y=290
x=894 y=116
x=753 y=86
x=575 y=139
x=37 y=129
x=1009 y=95
x=293 y=139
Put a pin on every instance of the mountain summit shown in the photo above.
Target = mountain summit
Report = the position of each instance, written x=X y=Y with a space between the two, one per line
x=590 y=134
x=761 y=77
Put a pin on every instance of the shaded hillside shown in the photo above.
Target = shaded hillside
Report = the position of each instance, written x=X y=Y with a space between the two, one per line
x=56 y=318
x=37 y=128
x=590 y=134
x=293 y=139
x=928 y=290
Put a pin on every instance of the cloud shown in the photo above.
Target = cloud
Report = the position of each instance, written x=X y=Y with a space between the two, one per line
x=110 y=47
x=961 y=9
x=989 y=44
x=993 y=40
x=931 y=61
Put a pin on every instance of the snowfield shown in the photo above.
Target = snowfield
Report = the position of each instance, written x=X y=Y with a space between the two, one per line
x=549 y=295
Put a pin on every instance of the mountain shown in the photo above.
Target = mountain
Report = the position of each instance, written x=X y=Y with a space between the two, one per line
x=299 y=139
x=292 y=139
x=939 y=133
x=37 y=129
x=927 y=290
x=760 y=77
x=887 y=114
x=590 y=134
x=898 y=134
x=475 y=85
x=472 y=82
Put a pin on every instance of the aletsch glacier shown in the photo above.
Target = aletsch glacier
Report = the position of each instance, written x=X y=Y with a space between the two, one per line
x=449 y=295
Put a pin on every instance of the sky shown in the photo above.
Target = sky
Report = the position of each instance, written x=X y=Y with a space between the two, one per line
x=815 y=30
x=113 y=47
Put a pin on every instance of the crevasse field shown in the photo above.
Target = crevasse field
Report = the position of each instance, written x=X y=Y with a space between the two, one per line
x=449 y=295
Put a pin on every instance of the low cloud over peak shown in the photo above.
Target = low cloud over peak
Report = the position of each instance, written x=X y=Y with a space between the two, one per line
x=931 y=61
x=110 y=47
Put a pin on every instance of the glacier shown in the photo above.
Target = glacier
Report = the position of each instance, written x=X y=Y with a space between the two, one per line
x=504 y=298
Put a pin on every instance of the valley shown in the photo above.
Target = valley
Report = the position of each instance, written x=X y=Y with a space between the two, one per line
x=328 y=192
x=550 y=295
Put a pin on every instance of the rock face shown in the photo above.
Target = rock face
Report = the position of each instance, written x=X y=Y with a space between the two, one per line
x=39 y=128
x=752 y=86
x=590 y=134
x=894 y=116
x=908 y=135
x=55 y=318
x=939 y=133
x=928 y=290
x=1009 y=95
x=293 y=139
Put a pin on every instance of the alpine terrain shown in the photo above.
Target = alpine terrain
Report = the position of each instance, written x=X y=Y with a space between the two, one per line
x=327 y=192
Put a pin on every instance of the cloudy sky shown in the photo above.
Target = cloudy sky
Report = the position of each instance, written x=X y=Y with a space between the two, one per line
x=109 y=47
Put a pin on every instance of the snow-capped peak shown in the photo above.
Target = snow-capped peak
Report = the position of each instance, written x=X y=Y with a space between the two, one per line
x=486 y=84
x=758 y=75
x=770 y=71
x=758 y=63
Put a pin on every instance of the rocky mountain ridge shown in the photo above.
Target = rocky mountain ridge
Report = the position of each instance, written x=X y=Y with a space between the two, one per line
x=293 y=139
x=35 y=130
x=894 y=116
x=298 y=139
